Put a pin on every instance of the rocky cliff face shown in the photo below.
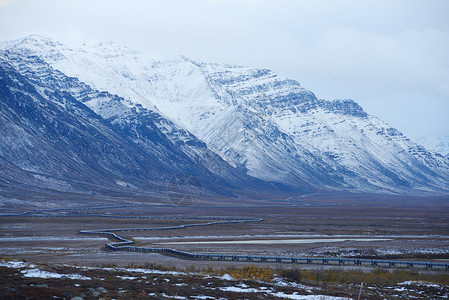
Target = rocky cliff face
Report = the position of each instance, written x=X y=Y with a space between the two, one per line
x=233 y=124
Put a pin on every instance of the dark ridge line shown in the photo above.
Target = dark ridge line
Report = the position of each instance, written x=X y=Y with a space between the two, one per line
x=35 y=212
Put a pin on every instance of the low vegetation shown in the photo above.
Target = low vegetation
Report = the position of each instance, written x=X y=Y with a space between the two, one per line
x=376 y=276
x=253 y=273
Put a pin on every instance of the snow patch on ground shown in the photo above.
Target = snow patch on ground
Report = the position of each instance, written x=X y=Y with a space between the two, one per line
x=145 y=271
x=423 y=283
x=36 y=273
x=33 y=271
x=15 y=264
x=295 y=295
x=172 y=297
x=278 y=281
x=227 y=277
x=127 y=277
x=305 y=297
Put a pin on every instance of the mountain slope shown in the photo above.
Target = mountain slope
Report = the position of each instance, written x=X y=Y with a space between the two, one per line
x=48 y=131
x=238 y=121
x=62 y=137
x=371 y=150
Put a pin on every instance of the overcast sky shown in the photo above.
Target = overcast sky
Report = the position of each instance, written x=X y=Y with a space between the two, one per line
x=390 y=56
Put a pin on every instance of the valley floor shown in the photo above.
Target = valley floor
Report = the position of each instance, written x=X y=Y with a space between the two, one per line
x=47 y=236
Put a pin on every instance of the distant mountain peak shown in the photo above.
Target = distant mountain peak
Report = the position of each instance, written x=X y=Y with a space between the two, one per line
x=438 y=143
x=33 y=41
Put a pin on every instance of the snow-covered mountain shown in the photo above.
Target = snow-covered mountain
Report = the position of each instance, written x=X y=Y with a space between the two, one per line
x=50 y=136
x=236 y=122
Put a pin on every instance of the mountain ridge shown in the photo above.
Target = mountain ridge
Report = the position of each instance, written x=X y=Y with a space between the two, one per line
x=49 y=93
x=258 y=124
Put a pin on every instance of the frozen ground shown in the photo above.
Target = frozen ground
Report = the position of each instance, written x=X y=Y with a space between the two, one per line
x=65 y=281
